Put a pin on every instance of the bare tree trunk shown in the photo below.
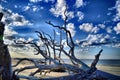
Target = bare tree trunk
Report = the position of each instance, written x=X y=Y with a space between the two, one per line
x=5 y=59
x=94 y=63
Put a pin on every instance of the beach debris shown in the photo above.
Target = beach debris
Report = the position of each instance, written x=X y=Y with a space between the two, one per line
x=77 y=69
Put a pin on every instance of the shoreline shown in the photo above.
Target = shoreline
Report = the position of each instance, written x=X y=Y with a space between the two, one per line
x=115 y=70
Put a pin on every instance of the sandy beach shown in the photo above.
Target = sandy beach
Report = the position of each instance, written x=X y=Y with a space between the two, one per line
x=110 y=69
x=27 y=72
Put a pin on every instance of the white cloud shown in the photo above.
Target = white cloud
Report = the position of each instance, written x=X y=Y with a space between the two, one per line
x=25 y=40
x=35 y=8
x=86 y=27
x=70 y=14
x=117 y=6
x=104 y=38
x=109 y=13
x=8 y=42
x=15 y=6
x=90 y=39
x=64 y=43
x=40 y=43
x=101 y=26
x=57 y=33
x=7 y=34
x=26 y=8
x=30 y=39
x=34 y=1
x=49 y=0
x=9 y=31
x=96 y=39
x=31 y=7
x=41 y=8
x=80 y=15
x=79 y=3
x=22 y=50
x=4 y=1
x=18 y=6
x=117 y=28
x=21 y=39
x=77 y=41
x=107 y=36
x=117 y=45
x=109 y=30
x=59 y=8
x=12 y=19
x=71 y=28
x=18 y=20
x=95 y=29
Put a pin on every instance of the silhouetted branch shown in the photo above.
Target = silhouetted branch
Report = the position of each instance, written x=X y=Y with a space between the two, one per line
x=93 y=65
x=26 y=59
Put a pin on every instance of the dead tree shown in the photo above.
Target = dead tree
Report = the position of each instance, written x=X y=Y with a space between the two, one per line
x=79 y=69
x=5 y=59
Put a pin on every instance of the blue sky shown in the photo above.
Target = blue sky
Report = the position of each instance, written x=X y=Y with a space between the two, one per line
x=94 y=24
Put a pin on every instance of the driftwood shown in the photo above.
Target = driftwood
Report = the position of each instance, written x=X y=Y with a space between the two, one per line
x=80 y=75
x=79 y=70
x=94 y=63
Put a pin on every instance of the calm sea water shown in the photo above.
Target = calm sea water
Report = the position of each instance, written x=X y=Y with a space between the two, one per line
x=105 y=62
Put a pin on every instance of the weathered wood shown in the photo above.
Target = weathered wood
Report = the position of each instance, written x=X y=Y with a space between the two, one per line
x=35 y=62
x=94 y=63
x=28 y=77
x=79 y=73
x=5 y=58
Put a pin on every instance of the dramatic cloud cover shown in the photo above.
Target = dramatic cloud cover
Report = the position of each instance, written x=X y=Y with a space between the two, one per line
x=92 y=23
x=12 y=19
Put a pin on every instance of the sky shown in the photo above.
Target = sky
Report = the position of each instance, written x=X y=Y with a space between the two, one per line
x=94 y=25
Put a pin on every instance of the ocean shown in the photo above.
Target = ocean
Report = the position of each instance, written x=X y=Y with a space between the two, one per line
x=105 y=62
x=108 y=65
